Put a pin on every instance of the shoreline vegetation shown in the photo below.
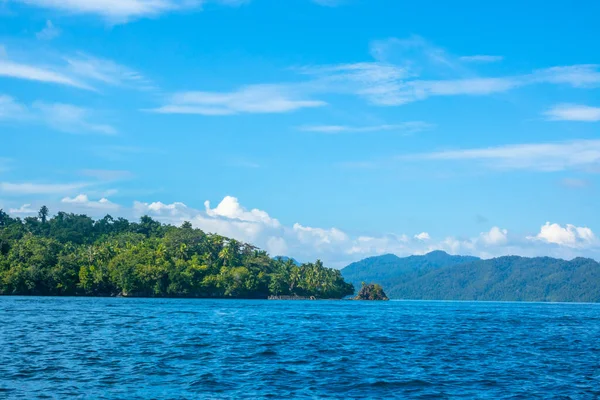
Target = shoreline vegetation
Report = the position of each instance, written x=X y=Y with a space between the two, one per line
x=74 y=255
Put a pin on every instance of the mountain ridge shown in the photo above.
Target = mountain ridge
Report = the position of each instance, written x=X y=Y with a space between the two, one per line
x=441 y=276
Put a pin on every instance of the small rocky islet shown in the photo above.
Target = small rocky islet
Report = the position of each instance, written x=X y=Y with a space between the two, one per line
x=371 y=291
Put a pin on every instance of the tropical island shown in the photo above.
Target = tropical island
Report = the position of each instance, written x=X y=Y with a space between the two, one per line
x=75 y=255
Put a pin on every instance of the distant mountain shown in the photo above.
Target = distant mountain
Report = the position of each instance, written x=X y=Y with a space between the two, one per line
x=285 y=258
x=440 y=276
x=390 y=269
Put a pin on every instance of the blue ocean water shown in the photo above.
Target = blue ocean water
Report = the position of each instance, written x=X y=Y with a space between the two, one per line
x=105 y=348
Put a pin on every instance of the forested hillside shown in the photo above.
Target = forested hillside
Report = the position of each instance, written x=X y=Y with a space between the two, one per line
x=500 y=279
x=71 y=254
x=388 y=269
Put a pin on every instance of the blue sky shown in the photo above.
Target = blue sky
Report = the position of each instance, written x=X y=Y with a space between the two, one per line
x=323 y=128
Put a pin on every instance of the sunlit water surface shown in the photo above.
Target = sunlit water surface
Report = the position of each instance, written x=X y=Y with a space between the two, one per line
x=174 y=349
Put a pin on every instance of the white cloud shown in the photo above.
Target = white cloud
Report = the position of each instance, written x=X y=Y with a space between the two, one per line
x=49 y=32
x=24 y=209
x=470 y=87
x=70 y=118
x=247 y=99
x=481 y=58
x=115 y=11
x=379 y=83
x=80 y=70
x=38 y=73
x=61 y=117
x=495 y=236
x=423 y=236
x=405 y=127
x=83 y=201
x=578 y=154
x=574 y=182
x=319 y=236
x=569 y=235
x=581 y=76
x=573 y=112
x=277 y=246
x=11 y=109
x=105 y=71
x=5 y=164
x=328 y=3
x=230 y=208
x=338 y=248
x=413 y=69
x=107 y=174
x=28 y=188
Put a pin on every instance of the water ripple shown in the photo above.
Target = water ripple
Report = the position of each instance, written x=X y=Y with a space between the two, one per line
x=176 y=349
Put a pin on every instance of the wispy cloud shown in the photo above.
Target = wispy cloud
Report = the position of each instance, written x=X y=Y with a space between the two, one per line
x=71 y=119
x=105 y=71
x=379 y=83
x=413 y=69
x=37 y=73
x=482 y=58
x=61 y=117
x=122 y=11
x=11 y=109
x=574 y=183
x=5 y=164
x=49 y=32
x=248 y=99
x=405 y=127
x=580 y=76
x=78 y=70
x=573 y=112
x=30 y=188
x=578 y=154
x=329 y=3
x=107 y=175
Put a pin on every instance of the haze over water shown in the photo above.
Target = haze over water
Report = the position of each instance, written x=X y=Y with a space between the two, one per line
x=169 y=348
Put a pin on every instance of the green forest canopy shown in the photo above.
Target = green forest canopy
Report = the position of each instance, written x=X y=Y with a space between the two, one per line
x=71 y=254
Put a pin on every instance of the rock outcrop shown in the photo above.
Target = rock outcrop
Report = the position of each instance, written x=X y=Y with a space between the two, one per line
x=371 y=291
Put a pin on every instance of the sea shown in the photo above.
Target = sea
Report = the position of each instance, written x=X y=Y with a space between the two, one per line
x=131 y=348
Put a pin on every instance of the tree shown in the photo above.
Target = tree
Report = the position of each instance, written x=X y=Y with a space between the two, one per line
x=43 y=214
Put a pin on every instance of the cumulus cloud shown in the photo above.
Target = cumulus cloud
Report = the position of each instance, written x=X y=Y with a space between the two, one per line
x=230 y=208
x=338 y=248
x=25 y=209
x=568 y=235
x=83 y=201
x=423 y=236
x=495 y=236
